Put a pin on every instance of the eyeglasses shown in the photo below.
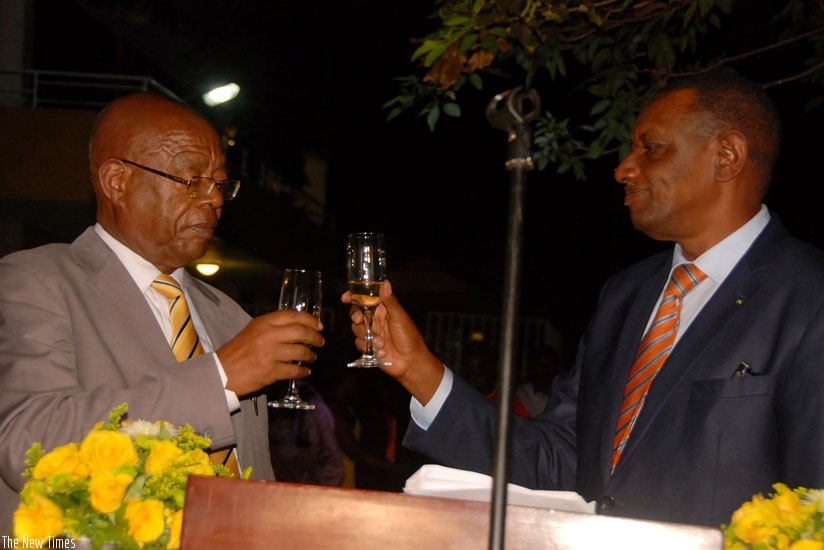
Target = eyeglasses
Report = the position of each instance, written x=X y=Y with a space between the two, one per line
x=198 y=186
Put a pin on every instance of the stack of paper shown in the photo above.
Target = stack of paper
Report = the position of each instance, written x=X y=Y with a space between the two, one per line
x=439 y=481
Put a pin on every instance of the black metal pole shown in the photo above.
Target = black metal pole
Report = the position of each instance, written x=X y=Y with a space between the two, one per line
x=511 y=111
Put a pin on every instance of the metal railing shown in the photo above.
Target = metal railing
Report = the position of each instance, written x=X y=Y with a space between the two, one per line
x=36 y=88
x=447 y=333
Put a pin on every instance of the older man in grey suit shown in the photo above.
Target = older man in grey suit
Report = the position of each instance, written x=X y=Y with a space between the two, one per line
x=83 y=330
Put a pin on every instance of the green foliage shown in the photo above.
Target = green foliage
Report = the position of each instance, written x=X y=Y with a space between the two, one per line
x=34 y=454
x=189 y=440
x=115 y=415
x=603 y=58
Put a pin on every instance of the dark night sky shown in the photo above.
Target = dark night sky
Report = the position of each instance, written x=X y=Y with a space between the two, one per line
x=316 y=75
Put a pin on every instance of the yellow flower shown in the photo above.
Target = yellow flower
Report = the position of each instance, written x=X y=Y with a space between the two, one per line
x=107 y=490
x=815 y=496
x=806 y=544
x=39 y=520
x=125 y=482
x=790 y=519
x=106 y=450
x=162 y=454
x=176 y=523
x=63 y=459
x=197 y=463
x=788 y=506
x=146 y=519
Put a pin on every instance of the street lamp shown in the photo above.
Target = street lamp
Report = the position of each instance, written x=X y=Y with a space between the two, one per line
x=207 y=268
x=221 y=94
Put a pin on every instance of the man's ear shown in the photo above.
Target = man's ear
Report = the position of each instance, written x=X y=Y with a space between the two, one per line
x=110 y=179
x=731 y=155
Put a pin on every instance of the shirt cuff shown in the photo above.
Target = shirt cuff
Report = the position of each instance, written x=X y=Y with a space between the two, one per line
x=231 y=398
x=425 y=415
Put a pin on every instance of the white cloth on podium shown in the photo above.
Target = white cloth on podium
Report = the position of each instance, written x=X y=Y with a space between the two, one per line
x=439 y=481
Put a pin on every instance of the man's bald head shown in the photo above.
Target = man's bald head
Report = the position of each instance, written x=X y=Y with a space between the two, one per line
x=143 y=147
x=128 y=119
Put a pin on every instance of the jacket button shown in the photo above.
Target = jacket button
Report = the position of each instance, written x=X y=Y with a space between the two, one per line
x=208 y=433
x=607 y=502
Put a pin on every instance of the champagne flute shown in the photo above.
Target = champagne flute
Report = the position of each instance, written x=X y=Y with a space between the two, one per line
x=365 y=272
x=300 y=290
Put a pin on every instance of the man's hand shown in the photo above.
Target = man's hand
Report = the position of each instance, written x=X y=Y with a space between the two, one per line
x=269 y=348
x=396 y=339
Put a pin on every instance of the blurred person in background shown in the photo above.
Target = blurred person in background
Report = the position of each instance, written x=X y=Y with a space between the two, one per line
x=303 y=444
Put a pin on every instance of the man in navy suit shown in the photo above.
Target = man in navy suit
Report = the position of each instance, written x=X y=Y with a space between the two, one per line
x=737 y=405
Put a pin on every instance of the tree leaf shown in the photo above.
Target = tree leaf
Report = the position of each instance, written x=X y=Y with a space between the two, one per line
x=452 y=109
x=433 y=116
x=600 y=60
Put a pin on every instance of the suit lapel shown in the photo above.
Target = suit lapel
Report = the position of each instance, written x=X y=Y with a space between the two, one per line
x=707 y=329
x=218 y=324
x=109 y=279
x=633 y=325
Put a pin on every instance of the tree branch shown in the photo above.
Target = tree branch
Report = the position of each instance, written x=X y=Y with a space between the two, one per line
x=774 y=46
x=798 y=76
x=745 y=55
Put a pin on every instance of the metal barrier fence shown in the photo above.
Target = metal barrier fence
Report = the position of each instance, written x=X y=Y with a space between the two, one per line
x=449 y=333
x=35 y=88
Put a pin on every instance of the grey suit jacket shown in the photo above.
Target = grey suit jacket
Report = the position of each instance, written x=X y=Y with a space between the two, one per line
x=704 y=442
x=77 y=338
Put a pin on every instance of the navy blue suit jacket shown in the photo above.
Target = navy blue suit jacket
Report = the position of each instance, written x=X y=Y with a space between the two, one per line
x=704 y=442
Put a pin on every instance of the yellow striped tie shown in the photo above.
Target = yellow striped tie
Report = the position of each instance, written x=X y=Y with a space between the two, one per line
x=184 y=341
x=186 y=344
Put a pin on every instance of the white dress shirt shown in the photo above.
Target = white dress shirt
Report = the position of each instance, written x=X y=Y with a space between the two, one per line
x=143 y=274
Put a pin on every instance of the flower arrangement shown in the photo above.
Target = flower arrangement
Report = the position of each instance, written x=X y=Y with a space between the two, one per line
x=123 y=484
x=788 y=519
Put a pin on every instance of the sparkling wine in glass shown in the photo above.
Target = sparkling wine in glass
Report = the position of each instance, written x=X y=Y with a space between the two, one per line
x=365 y=272
x=300 y=290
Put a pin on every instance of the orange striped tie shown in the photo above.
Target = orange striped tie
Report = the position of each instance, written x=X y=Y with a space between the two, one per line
x=653 y=352
x=186 y=344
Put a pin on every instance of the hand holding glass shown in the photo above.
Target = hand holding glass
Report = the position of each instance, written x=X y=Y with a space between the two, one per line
x=365 y=272
x=300 y=290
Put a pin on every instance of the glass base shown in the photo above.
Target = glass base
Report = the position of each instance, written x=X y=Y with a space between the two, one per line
x=291 y=402
x=368 y=362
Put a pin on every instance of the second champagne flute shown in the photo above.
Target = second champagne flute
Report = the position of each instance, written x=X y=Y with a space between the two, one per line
x=300 y=290
x=365 y=272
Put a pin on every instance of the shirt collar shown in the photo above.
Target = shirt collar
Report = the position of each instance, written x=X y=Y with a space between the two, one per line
x=142 y=271
x=718 y=261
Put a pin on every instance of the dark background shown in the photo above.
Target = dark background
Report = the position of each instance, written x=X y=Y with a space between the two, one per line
x=315 y=75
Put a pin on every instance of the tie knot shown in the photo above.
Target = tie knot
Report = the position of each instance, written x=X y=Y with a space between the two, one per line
x=168 y=286
x=684 y=278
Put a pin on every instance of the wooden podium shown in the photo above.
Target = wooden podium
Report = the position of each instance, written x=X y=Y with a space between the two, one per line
x=223 y=513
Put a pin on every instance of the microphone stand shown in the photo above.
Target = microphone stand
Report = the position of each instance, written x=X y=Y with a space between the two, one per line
x=510 y=111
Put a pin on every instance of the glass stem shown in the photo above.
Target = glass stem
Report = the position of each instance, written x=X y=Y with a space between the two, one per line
x=368 y=325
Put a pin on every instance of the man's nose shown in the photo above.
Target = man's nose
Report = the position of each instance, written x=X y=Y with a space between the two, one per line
x=627 y=170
